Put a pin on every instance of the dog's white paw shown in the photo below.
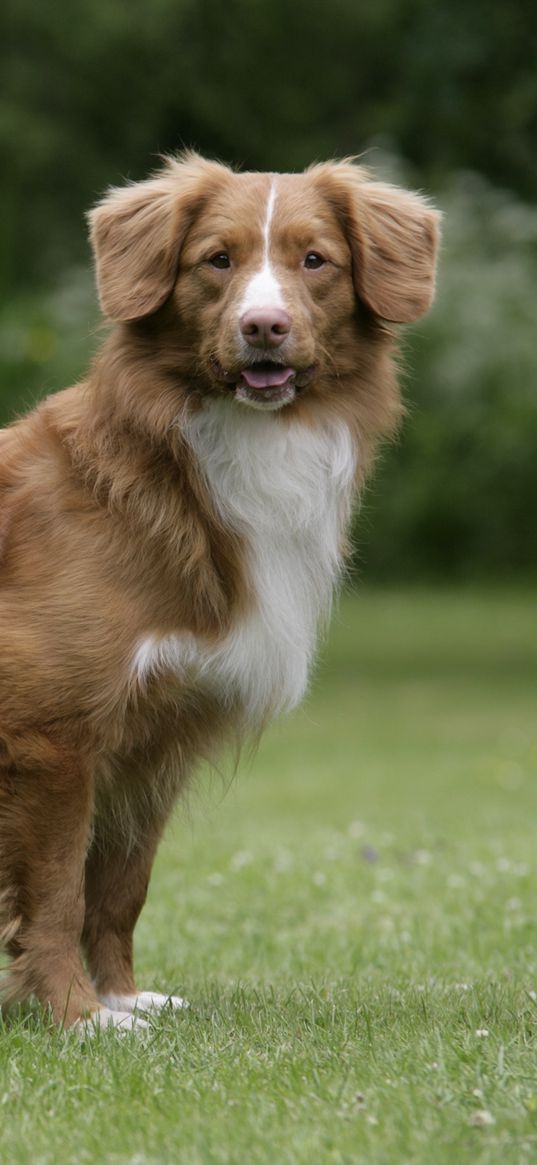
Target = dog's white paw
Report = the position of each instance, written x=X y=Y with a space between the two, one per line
x=108 y=1017
x=143 y=1001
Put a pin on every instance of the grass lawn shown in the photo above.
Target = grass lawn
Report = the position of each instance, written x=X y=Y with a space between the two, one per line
x=354 y=923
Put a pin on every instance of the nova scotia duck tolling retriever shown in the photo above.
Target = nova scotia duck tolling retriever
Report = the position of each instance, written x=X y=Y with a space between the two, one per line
x=172 y=530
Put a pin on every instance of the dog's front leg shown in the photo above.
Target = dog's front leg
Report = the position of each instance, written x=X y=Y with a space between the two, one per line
x=46 y=803
x=117 y=877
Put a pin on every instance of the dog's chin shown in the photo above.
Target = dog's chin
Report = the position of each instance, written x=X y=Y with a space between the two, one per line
x=267 y=399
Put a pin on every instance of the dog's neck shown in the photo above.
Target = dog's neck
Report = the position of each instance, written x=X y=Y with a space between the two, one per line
x=265 y=475
x=286 y=491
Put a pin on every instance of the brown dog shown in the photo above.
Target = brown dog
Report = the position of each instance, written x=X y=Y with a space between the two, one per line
x=171 y=530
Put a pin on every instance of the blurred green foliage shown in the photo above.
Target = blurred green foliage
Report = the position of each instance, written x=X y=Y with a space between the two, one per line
x=94 y=91
x=457 y=497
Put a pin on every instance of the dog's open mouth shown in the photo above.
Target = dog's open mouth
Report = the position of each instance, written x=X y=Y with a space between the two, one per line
x=266 y=375
x=264 y=384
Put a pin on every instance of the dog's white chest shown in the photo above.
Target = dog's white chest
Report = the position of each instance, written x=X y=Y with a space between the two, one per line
x=287 y=490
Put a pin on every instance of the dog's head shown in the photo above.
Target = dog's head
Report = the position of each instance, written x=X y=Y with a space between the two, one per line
x=268 y=280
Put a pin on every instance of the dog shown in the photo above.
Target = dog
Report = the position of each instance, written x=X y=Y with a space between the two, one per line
x=172 y=530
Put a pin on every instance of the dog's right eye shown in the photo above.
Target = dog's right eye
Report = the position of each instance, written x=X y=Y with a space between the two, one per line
x=313 y=261
x=221 y=260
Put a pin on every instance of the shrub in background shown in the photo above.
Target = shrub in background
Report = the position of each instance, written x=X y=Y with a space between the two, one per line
x=457 y=496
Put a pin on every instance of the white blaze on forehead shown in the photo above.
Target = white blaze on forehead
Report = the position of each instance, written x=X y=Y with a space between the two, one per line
x=263 y=289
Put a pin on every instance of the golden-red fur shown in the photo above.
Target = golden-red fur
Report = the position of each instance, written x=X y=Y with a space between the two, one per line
x=108 y=532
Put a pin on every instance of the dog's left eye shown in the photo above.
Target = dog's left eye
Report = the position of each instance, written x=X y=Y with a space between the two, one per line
x=313 y=260
x=221 y=260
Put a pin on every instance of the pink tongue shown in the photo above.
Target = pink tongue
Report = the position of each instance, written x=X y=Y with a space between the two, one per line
x=263 y=378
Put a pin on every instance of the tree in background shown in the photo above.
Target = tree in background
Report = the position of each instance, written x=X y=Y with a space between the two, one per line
x=93 y=91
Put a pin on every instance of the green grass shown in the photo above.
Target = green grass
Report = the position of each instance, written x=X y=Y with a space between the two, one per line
x=354 y=923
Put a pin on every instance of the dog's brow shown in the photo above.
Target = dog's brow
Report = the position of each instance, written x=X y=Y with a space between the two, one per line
x=264 y=289
x=268 y=218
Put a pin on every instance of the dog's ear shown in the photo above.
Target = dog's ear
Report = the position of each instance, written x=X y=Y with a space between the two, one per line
x=394 y=239
x=394 y=236
x=137 y=232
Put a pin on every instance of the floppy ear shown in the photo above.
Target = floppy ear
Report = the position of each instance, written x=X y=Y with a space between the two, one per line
x=394 y=238
x=137 y=232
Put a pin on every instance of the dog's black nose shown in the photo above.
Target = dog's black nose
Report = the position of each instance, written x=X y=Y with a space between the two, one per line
x=265 y=327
